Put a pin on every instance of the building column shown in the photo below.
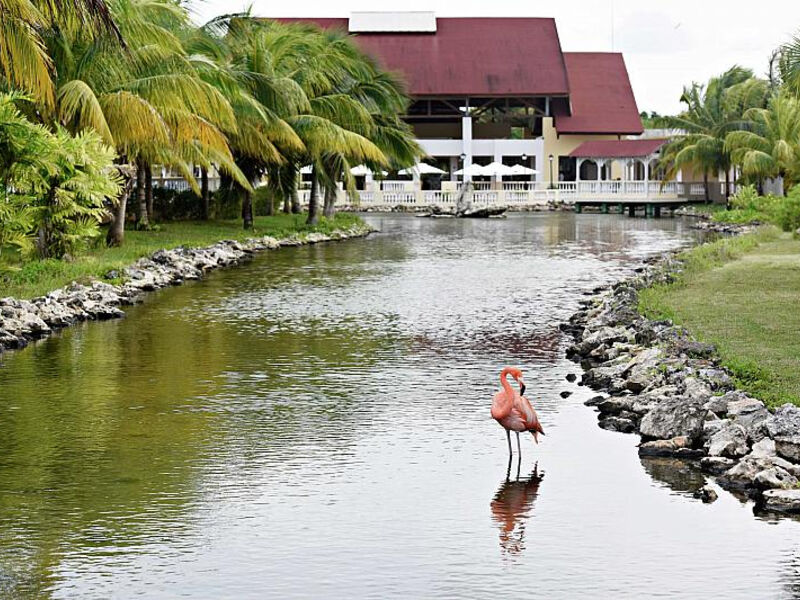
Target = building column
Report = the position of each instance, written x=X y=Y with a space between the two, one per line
x=578 y=163
x=466 y=145
x=368 y=181
x=453 y=168
x=646 y=163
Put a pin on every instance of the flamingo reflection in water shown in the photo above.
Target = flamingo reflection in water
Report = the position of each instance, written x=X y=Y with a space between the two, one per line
x=512 y=505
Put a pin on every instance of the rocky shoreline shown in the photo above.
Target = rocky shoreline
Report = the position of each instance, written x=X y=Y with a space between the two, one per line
x=661 y=383
x=24 y=321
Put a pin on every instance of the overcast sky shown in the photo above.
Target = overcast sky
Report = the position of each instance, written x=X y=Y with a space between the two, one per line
x=666 y=43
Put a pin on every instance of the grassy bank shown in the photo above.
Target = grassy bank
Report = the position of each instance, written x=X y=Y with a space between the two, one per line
x=742 y=294
x=38 y=277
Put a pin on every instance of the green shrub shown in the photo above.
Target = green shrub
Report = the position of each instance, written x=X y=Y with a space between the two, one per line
x=55 y=185
x=745 y=198
x=787 y=212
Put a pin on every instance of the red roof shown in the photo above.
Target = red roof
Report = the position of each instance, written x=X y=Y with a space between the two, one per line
x=513 y=57
x=600 y=95
x=617 y=148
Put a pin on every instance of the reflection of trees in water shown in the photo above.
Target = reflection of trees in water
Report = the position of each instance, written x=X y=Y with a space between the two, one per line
x=512 y=506
x=95 y=455
x=118 y=429
x=678 y=475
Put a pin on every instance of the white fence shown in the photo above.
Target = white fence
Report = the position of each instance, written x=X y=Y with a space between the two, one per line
x=179 y=184
x=517 y=194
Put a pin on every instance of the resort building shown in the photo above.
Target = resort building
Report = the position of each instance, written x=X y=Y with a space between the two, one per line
x=501 y=91
x=489 y=94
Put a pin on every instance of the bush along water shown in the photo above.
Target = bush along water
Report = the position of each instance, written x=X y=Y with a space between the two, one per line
x=747 y=206
x=659 y=382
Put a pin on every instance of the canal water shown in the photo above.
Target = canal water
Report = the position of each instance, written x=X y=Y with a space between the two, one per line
x=315 y=424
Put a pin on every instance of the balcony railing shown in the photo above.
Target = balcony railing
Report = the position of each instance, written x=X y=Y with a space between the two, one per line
x=520 y=194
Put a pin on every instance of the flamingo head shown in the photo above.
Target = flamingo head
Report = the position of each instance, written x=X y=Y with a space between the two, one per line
x=517 y=375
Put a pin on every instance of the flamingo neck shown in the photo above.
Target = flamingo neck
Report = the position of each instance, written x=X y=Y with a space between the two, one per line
x=504 y=382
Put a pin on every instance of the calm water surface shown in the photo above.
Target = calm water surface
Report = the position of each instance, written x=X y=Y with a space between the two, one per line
x=315 y=424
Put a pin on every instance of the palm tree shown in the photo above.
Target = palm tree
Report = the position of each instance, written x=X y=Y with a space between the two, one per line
x=770 y=146
x=712 y=111
x=147 y=100
x=24 y=61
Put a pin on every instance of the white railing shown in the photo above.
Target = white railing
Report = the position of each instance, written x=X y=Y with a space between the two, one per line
x=516 y=194
x=179 y=184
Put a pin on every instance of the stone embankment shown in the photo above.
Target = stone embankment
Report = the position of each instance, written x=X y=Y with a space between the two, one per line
x=661 y=383
x=22 y=321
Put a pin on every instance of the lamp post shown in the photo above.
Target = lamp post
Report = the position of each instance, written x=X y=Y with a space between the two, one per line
x=524 y=161
x=552 y=185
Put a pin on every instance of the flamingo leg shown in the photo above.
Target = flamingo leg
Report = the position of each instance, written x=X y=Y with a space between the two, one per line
x=519 y=450
x=508 y=437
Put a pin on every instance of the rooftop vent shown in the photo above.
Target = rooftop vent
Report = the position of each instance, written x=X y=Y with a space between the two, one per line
x=392 y=22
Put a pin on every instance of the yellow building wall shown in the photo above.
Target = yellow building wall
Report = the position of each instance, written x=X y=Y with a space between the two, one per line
x=562 y=145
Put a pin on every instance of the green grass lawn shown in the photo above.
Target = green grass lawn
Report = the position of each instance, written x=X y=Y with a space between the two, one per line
x=743 y=295
x=37 y=277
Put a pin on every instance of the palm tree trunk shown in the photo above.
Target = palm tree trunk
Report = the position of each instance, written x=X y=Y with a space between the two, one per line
x=206 y=196
x=148 y=191
x=141 y=198
x=705 y=187
x=295 y=202
x=727 y=190
x=270 y=207
x=247 y=209
x=313 y=201
x=287 y=203
x=116 y=233
x=329 y=208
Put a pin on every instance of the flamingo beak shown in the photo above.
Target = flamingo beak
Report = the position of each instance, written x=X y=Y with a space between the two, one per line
x=521 y=387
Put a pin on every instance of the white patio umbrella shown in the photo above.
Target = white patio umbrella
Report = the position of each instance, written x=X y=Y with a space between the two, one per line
x=422 y=169
x=474 y=170
x=305 y=170
x=361 y=170
x=523 y=170
x=498 y=169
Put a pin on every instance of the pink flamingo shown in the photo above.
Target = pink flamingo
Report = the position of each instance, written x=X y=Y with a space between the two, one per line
x=513 y=410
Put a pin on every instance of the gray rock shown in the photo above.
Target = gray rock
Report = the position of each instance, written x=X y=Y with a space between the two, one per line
x=717 y=405
x=729 y=441
x=617 y=424
x=643 y=369
x=696 y=390
x=674 y=417
x=775 y=478
x=743 y=474
x=706 y=494
x=782 y=500
x=664 y=447
x=716 y=378
x=764 y=448
x=594 y=400
x=784 y=428
x=716 y=464
x=615 y=405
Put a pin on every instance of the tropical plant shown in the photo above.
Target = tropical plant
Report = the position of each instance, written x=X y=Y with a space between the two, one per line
x=70 y=201
x=55 y=185
x=712 y=111
x=769 y=147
